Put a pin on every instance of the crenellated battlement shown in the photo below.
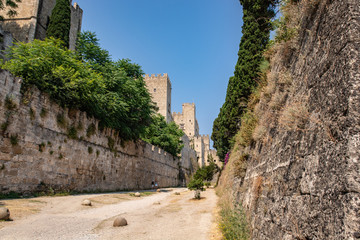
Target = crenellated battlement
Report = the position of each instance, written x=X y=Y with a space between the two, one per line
x=156 y=76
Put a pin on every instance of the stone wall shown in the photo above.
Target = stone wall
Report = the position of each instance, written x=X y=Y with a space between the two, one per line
x=189 y=163
x=32 y=20
x=43 y=146
x=303 y=182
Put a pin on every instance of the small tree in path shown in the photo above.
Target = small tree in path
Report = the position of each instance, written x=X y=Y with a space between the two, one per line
x=60 y=20
x=196 y=184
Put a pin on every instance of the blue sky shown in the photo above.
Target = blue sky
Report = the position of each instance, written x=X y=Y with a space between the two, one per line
x=194 y=41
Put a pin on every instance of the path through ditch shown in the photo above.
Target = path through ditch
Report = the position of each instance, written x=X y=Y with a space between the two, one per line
x=160 y=216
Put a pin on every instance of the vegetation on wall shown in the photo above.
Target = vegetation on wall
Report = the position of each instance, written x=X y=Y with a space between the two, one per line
x=113 y=92
x=164 y=135
x=60 y=21
x=117 y=97
x=256 y=30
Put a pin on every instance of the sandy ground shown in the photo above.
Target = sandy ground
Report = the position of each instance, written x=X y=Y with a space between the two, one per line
x=160 y=216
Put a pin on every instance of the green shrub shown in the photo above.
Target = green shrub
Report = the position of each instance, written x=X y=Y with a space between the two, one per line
x=117 y=95
x=90 y=130
x=233 y=223
x=14 y=140
x=90 y=150
x=61 y=121
x=10 y=103
x=72 y=132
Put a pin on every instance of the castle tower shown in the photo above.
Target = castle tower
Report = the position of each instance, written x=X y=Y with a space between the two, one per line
x=33 y=18
x=159 y=86
x=187 y=120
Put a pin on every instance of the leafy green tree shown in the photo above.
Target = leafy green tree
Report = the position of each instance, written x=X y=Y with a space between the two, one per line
x=119 y=100
x=11 y=5
x=205 y=173
x=197 y=185
x=164 y=135
x=60 y=21
x=255 y=36
x=88 y=49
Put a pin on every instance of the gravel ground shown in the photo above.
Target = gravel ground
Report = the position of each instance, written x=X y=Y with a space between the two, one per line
x=160 y=216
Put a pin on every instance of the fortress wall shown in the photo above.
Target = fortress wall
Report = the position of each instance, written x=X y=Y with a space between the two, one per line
x=45 y=156
x=32 y=20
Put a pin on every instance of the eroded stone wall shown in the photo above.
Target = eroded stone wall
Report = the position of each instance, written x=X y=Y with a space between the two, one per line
x=304 y=182
x=37 y=152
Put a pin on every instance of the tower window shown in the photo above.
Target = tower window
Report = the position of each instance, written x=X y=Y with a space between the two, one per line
x=154 y=89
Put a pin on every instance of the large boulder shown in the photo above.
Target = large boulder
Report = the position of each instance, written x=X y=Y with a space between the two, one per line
x=137 y=194
x=119 y=222
x=4 y=213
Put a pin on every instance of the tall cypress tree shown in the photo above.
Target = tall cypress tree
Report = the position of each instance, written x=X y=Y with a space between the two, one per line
x=60 y=20
x=255 y=36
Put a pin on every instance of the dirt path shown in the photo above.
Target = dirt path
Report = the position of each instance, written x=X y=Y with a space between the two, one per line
x=159 y=216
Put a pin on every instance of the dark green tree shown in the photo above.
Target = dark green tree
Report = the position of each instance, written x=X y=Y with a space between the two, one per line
x=60 y=20
x=11 y=6
x=255 y=36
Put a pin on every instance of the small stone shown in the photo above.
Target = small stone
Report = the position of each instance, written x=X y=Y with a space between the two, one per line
x=86 y=202
x=158 y=190
x=356 y=234
x=137 y=194
x=156 y=203
x=4 y=214
x=119 y=222
x=177 y=193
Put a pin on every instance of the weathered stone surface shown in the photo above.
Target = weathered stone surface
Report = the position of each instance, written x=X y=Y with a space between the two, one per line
x=120 y=222
x=45 y=157
x=86 y=202
x=4 y=213
x=305 y=184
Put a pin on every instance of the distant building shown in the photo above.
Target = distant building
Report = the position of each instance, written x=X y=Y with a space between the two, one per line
x=196 y=147
x=159 y=86
x=32 y=20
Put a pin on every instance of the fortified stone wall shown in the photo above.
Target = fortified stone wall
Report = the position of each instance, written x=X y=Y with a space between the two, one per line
x=159 y=86
x=303 y=182
x=37 y=150
x=200 y=150
x=188 y=159
x=32 y=20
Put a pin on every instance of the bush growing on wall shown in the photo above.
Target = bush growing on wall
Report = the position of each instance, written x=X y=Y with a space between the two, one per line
x=164 y=135
x=117 y=96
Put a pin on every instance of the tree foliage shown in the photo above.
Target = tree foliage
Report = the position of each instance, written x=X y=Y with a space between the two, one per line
x=117 y=98
x=164 y=135
x=88 y=50
x=255 y=36
x=60 y=22
x=202 y=174
x=11 y=6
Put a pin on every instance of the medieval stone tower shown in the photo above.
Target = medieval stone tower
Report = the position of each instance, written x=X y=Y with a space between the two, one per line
x=187 y=120
x=159 y=86
x=33 y=18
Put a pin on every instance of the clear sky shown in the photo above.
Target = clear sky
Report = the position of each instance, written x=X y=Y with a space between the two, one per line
x=194 y=41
